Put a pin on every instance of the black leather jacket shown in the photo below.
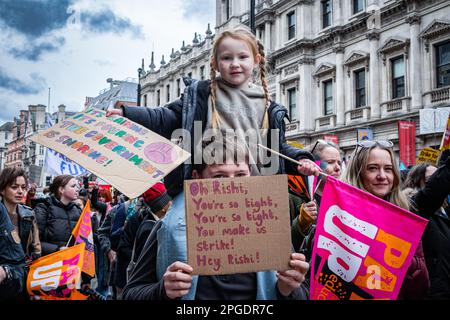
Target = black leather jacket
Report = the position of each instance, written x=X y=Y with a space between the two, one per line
x=12 y=258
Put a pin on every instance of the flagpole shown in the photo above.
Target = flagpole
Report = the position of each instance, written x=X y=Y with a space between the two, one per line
x=71 y=236
x=287 y=158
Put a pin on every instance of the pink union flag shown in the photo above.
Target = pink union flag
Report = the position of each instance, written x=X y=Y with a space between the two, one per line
x=363 y=245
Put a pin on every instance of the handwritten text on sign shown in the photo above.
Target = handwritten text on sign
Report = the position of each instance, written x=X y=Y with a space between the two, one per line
x=237 y=225
x=121 y=152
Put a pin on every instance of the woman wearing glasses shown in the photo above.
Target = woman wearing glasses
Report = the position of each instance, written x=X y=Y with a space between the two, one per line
x=374 y=169
x=330 y=162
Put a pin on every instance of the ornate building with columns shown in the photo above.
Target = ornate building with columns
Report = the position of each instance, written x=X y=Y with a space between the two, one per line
x=339 y=65
x=160 y=86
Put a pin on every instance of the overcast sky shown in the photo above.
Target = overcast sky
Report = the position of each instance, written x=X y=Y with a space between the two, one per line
x=73 y=46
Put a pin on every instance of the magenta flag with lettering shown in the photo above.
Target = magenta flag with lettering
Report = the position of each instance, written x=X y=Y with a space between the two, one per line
x=363 y=245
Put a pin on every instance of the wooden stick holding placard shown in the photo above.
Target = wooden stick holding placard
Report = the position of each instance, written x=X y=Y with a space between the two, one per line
x=287 y=158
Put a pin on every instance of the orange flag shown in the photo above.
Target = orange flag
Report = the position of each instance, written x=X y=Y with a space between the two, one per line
x=55 y=276
x=83 y=234
x=445 y=144
x=297 y=186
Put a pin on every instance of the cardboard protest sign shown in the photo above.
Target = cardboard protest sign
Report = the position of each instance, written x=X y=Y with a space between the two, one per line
x=83 y=234
x=363 y=245
x=237 y=225
x=126 y=155
x=428 y=155
x=56 y=276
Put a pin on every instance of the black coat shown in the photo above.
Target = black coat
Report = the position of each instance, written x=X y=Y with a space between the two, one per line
x=436 y=238
x=127 y=240
x=11 y=257
x=56 y=222
x=192 y=106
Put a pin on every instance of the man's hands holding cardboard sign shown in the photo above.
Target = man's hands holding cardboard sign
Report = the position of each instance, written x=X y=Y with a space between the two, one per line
x=178 y=277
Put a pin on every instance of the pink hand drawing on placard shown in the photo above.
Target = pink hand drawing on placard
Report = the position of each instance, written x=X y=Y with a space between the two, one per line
x=160 y=153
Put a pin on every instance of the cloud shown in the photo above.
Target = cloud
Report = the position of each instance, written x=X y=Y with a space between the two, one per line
x=105 y=21
x=34 y=51
x=38 y=18
x=18 y=86
x=9 y=110
x=35 y=18
x=194 y=9
x=103 y=63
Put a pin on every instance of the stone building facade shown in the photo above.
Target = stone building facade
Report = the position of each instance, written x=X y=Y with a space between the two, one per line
x=5 y=138
x=24 y=153
x=337 y=65
x=160 y=86
x=340 y=65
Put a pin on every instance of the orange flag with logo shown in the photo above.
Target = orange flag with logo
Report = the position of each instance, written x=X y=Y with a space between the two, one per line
x=83 y=234
x=56 y=276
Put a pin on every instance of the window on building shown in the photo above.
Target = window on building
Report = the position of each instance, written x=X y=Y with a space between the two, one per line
x=190 y=75
x=178 y=87
x=358 y=6
x=326 y=13
x=292 y=102
x=328 y=97
x=291 y=25
x=360 y=88
x=158 y=97
x=261 y=32
x=145 y=100
x=443 y=64
x=41 y=163
x=227 y=9
x=168 y=93
x=398 y=77
x=202 y=73
x=41 y=150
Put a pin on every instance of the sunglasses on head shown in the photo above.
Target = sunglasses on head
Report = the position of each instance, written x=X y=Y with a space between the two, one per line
x=371 y=143
x=322 y=142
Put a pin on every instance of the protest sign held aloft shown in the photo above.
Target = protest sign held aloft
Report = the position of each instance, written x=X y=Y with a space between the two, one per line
x=428 y=155
x=128 y=156
x=58 y=164
x=363 y=245
x=237 y=225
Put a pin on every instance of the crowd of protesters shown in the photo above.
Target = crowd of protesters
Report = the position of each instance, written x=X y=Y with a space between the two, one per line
x=140 y=244
x=126 y=263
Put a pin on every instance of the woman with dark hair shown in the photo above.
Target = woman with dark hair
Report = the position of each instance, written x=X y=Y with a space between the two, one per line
x=436 y=237
x=59 y=214
x=12 y=260
x=13 y=187
x=374 y=169
x=418 y=176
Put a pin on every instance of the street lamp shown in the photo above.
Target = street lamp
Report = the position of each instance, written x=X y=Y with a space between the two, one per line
x=139 y=87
